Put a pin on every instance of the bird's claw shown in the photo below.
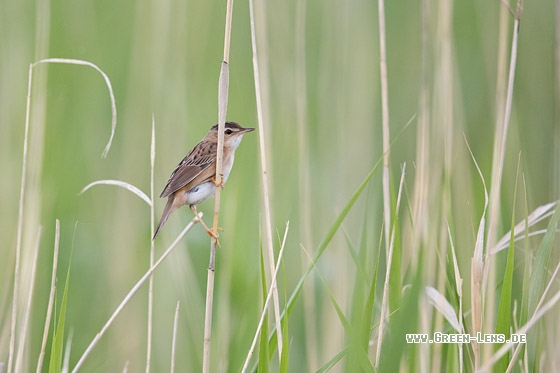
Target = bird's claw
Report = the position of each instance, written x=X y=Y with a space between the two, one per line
x=214 y=235
x=221 y=184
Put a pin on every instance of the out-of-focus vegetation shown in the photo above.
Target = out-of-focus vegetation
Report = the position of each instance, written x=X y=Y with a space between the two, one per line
x=320 y=73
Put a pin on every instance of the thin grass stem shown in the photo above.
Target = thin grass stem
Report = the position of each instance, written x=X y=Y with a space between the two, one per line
x=174 y=340
x=51 y=297
x=20 y=222
x=24 y=327
x=152 y=247
x=265 y=307
x=385 y=300
x=223 y=87
x=133 y=291
x=264 y=175
x=385 y=119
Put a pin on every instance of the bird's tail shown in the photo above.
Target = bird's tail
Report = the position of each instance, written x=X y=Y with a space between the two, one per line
x=166 y=212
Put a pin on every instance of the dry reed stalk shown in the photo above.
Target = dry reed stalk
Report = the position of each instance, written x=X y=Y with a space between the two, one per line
x=20 y=221
x=223 y=86
x=385 y=120
x=386 y=156
x=23 y=333
x=420 y=201
x=264 y=174
x=152 y=247
x=477 y=270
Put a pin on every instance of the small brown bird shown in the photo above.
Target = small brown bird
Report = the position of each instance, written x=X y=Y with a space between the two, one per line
x=194 y=179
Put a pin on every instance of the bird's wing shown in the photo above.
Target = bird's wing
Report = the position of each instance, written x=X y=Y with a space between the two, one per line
x=197 y=167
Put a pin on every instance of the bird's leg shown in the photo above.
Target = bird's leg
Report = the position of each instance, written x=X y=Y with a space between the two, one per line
x=208 y=230
x=220 y=184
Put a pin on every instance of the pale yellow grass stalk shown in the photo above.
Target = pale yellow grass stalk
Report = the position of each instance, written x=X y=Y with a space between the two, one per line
x=477 y=271
x=23 y=337
x=386 y=136
x=152 y=247
x=174 y=340
x=421 y=201
x=442 y=160
x=264 y=174
x=20 y=221
x=385 y=120
x=223 y=87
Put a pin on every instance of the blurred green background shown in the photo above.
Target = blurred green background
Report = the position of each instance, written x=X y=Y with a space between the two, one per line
x=320 y=70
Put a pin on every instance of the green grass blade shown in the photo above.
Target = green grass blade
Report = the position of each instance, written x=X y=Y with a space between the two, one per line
x=285 y=358
x=395 y=277
x=264 y=365
x=358 y=359
x=536 y=285
x=503 y=324
x=320 y=250
x=332 y=362
x=326 y=240
x=368 y=310
x=57 y=348
x=540 y=267
x=404 y=321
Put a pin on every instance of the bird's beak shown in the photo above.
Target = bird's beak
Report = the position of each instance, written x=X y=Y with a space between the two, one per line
x=245 y=130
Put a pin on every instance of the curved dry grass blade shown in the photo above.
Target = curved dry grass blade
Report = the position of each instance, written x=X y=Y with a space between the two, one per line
x=24 y=172
x=444 y=307
x=539 y=214
x=109 y=87
x=477 y=268
x=121 y=184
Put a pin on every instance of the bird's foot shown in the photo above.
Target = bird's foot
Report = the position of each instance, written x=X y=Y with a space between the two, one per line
x=208 y=230
x=221 y=184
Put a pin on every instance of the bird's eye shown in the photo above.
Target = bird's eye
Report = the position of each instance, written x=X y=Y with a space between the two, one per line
x=228 y=132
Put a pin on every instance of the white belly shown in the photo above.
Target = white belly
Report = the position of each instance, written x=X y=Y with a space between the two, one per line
x=200 y=193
